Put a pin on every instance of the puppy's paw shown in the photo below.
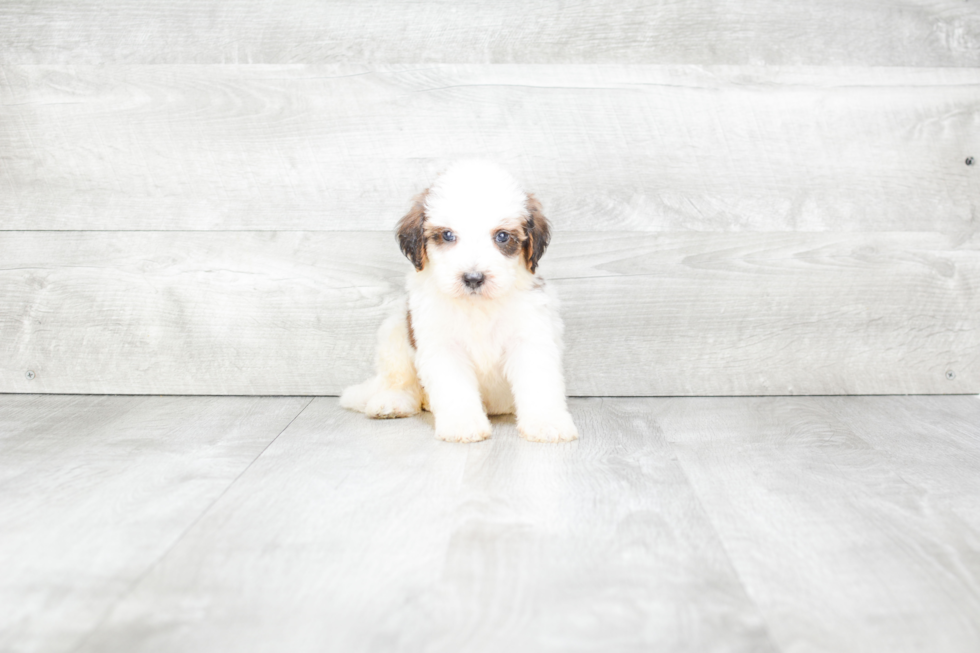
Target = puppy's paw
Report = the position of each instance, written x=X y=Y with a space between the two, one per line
x=462 y=428
x=389 y=404
x=357 y=396
x=557 y=427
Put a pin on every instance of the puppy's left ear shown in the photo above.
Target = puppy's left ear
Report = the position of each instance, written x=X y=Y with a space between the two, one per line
x=537 y=233
x=411 y=232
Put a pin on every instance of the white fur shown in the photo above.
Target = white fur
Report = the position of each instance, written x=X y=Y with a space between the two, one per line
x=493 y=350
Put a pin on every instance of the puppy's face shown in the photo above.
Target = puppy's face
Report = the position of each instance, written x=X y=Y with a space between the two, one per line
x=475 y=232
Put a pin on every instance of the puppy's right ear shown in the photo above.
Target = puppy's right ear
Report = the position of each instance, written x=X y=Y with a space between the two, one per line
x=411 y=232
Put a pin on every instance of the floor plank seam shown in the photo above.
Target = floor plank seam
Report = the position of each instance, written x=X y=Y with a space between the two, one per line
x=136 y=582
x=724 y=547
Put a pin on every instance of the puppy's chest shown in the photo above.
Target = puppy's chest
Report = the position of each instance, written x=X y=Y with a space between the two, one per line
x=479 y=336
x=483 y=348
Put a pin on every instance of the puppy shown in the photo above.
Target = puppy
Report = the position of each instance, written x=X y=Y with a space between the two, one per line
x=480 y=334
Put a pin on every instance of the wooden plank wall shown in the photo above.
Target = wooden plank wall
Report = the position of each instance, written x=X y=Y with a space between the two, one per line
x=197 y=197
x=702 y=32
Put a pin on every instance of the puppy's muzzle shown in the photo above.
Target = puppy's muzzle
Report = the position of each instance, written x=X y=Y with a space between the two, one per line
x=473 y=280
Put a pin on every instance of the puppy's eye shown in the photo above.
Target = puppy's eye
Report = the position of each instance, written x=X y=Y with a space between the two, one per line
x=448 y=236
x=502 y=237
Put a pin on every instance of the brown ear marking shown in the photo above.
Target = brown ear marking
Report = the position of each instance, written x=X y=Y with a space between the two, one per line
x=411 y=232
x=537 y=233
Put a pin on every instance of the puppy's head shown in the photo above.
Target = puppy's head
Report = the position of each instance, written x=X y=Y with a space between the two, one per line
x=475 y=233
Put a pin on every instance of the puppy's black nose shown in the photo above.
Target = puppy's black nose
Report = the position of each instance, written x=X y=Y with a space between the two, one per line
x=474 y=280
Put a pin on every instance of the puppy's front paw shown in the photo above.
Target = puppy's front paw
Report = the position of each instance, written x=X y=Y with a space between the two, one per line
x=389 y=404
x=462 y=428
x=557 y=427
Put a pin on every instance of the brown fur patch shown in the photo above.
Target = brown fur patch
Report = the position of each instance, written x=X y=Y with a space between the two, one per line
x=537 y=233
x=433 y=234
x=411 y=232
x=411 y=331
x=513 y=244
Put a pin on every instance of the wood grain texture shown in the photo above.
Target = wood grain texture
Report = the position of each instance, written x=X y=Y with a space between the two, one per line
x=352 y=534
x=850 y=32
x=345 y=147
x=844 y=545
x=831 y=524
x=665 y=314
x=96 y=490
x=932 y=443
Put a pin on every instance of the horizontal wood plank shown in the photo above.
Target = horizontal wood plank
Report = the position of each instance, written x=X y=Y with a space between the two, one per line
x=850 y=32
x=646 y=314
x=96 y=490
x=351 y=534
x=345 y=147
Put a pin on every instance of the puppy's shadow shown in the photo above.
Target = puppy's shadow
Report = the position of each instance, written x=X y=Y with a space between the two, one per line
x=503 y=426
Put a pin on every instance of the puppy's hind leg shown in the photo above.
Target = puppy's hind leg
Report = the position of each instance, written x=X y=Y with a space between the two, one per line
x=394 y=391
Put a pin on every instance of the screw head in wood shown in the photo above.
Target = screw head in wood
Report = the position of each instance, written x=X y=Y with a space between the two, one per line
x=29 y=374
x=969 y=160
x=950 y=374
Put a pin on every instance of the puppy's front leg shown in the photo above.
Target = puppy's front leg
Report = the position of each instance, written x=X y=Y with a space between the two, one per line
x=454 y=395
x=534 y=370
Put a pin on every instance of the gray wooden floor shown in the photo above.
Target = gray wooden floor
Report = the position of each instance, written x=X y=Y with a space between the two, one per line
x=287 y=524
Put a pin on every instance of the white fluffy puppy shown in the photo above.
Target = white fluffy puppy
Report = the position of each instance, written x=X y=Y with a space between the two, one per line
x=480 y=333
